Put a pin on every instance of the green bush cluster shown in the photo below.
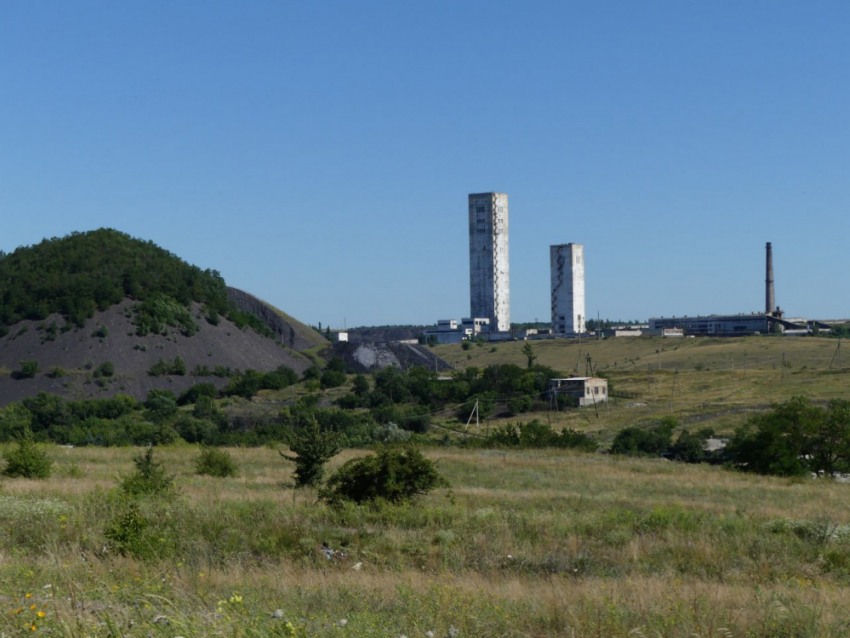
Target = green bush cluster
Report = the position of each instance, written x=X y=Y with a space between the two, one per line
x=795 y=438
x=535 y=434
x=164 y=368
x=635 y=440
x=250 y=382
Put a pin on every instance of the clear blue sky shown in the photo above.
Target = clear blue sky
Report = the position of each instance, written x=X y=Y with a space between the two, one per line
x=319 y=155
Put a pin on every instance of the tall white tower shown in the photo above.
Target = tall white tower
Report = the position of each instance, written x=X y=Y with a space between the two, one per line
x=489 y=279
x=566 y=263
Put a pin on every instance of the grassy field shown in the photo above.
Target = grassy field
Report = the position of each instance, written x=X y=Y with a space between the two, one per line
x=702 y=381
x=523 y=544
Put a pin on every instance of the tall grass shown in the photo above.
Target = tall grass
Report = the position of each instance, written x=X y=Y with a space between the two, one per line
x=524 y=544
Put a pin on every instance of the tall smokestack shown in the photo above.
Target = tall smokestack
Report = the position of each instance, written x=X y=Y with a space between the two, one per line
x=770 y=299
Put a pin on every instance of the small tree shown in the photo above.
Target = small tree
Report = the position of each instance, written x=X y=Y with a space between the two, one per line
x=149 y=478
x=393 y=474
x=528 y=351
x=314 y=448
x=27 y=459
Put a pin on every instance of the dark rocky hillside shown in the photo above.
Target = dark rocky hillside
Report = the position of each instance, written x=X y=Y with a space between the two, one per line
x=80 y=351
x=286 y=329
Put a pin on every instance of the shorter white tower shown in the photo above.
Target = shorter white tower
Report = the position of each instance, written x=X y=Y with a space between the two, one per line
x=566 y=262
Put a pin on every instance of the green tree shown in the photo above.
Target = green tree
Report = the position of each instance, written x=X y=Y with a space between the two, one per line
x=361 y=386
x=27 y=459
x=313 y=448
x=528 y=351
x=161 y=405
x=795 y=438
x=332 y=379
x=149 y=478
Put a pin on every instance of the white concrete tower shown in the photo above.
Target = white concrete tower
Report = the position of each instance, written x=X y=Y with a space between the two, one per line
x=489 y=280
x=566 y=263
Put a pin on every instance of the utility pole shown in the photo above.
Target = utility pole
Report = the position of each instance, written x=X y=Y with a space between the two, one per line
x=475 y=412
x=837 y=354
x=673 y=391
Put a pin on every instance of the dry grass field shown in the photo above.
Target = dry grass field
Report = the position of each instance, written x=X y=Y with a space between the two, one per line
x=537 y=543
x=702 y=381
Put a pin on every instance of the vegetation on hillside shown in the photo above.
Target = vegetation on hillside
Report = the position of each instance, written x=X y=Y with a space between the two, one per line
x=84 y=272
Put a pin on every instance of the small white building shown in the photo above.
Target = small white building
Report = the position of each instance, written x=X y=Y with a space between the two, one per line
x=588 y=390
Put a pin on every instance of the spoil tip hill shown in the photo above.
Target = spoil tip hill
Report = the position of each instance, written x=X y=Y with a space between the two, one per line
x=75 y=303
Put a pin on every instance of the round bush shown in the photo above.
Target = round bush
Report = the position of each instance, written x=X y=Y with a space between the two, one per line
x=215 y=462
x=393 y=474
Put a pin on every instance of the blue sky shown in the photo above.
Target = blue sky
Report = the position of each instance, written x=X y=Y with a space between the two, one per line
x=319 y=155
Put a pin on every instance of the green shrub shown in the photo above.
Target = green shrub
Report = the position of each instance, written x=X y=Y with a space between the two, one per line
x=29 y=368
x=56 y=372
x=149 y=479
x=27 y=459
x=215 y=462
x=314 y=448
x=105 y=369
x=100 y=331
x=393 y=474
x=535 y=434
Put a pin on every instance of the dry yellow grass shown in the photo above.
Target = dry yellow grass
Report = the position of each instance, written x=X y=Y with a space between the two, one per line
x=537 y=543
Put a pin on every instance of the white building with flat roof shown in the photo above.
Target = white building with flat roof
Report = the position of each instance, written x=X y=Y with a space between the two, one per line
x=566 y=262
x=489 y=277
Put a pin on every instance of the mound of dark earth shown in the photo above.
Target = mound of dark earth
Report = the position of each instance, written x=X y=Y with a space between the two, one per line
x=368 y=356
x=286 y=329
x=80 y=351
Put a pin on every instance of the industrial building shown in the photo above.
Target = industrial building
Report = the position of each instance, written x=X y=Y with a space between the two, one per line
x=566 y=264
x=715 y=325
x=733 y=325
x=489 y=276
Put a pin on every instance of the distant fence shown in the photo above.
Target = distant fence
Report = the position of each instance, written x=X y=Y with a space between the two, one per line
x=624 y=394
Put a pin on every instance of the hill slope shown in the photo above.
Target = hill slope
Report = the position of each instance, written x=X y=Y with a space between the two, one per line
x=80 y=301
x=286 y=329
